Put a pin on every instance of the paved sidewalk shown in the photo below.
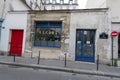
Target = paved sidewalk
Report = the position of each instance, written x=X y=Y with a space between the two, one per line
x=58 y=65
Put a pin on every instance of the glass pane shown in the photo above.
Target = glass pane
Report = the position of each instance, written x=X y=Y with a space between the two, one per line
x=88 y=52
x=57 y=43
x=88 y=43
x=37 y=34
x=58 y=34
x=48 y=34
x=50 y=43
x=57 y=37
x=51 y=34
x=43 y=43
x=79 y=39
x=37 y=43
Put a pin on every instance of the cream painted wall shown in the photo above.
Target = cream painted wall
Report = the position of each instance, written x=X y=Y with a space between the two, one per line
x=4 y=8
x=96 y=4
x=14 y=20
x=114 y=6
x=18 y=5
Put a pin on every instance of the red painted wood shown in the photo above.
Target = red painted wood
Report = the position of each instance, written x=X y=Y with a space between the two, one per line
x=16 y=42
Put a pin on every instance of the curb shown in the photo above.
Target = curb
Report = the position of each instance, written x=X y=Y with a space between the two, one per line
x=70 y=70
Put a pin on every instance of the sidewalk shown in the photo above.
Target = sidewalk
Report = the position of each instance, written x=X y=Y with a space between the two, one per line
x=58 y=65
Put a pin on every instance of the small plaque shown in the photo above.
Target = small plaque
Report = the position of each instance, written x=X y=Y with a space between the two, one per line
x=103 y=36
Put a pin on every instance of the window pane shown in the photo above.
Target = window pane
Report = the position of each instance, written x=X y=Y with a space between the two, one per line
x=57 y=43
x=88 y=43
x=79 y=39
x=58 y=34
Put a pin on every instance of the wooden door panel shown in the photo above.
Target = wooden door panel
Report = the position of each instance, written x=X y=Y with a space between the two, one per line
x=16 y=42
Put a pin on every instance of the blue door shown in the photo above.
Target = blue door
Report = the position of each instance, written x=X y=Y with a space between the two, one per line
x=85 y=45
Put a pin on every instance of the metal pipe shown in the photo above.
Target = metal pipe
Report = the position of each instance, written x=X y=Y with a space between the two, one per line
x=97 y=62
x=39 y=58
x=65 y=59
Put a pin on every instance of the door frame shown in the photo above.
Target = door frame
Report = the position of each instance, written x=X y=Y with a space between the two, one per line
x=82 y=45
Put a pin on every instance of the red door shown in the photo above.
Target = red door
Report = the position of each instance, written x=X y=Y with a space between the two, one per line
x=16 y=42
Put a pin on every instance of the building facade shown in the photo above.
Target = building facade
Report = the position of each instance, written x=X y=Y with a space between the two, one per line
x=57 y=32
x=82 y=34
x=96 y=4
x=13 y=21
x=115 y=20
x=60 y=4
x=3 y=12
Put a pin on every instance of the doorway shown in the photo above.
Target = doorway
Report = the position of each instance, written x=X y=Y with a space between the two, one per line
x=85 y=45
x=16 y=42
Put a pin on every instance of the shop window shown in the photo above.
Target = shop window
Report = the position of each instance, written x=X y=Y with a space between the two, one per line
x=48 y=34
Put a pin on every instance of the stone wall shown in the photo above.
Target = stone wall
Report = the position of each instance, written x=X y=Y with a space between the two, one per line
x=98 y=20
x=92 y=20
x=48 y=16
